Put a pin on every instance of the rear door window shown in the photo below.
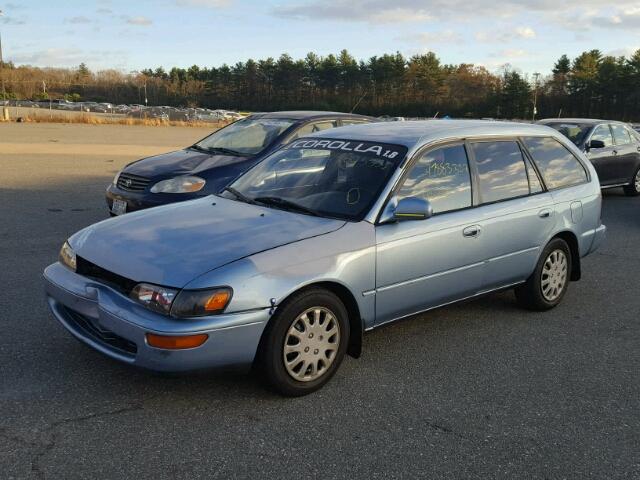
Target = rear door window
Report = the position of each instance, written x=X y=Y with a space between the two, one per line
x=620 y=135
x=442 y=177
x=313 y=127
x=353 y=122
x=501 y=170
x=603 y=133
x=559 y=167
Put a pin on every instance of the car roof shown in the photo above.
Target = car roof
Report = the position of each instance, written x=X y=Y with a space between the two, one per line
x=584 y=121
x=414 y=133
x=308 y=115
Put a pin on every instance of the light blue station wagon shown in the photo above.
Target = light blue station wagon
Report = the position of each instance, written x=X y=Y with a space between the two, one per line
x=331 y=236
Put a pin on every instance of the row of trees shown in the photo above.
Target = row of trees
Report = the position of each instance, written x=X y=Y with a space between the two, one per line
x=420 y=86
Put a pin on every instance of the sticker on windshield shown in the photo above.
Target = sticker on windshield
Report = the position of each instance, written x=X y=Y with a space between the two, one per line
x=378 y=150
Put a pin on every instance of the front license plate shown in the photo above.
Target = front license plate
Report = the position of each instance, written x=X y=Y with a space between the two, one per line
x=119 y=207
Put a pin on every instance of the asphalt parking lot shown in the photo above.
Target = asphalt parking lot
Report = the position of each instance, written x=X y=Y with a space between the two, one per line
x=478 y=390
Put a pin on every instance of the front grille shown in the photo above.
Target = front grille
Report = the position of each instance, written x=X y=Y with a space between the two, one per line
x=132 y=183
x=101 y=335
x=95 y=272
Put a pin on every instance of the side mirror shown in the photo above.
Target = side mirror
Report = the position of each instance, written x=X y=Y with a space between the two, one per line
x=595 y=144
x=412 y=208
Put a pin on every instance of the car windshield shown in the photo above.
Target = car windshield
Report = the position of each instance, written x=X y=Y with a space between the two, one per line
x=245 y=137
x=324 y=177
x=573 y=131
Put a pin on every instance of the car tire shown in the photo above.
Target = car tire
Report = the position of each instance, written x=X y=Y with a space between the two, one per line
x=548 y=283
x=633 y=189
x=304 y=343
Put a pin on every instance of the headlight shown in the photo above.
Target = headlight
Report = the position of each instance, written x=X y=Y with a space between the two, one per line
x=199 y=303
x=186 y=184
x=67 y=256
x=154 y=297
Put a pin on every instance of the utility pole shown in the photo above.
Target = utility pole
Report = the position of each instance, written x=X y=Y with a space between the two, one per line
x=535 y=96
x=2 y=64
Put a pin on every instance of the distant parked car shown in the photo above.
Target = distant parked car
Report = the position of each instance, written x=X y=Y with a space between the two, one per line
x=333 y=235
x=612 y=147
x=213 y=162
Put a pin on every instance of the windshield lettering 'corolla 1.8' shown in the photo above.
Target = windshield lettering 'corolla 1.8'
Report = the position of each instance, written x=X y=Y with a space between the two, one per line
x=245 y=137
x=333 y=178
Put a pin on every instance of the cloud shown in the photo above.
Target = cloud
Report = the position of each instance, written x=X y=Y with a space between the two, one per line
x=68 y=57
x=499 y=35
x=402 y=11
x=628 y=19
x=104 y=11
x=77 y=20
x=511 y=54
x=204 y=3
x=12 y=21
x=431 y=38
x=370 y=11
x=622 y=52
x=140 y=21
x=525 y=32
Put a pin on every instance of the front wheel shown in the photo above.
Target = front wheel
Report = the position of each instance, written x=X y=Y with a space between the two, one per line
x=633 y=189
x=548 y=283
x=304 y=343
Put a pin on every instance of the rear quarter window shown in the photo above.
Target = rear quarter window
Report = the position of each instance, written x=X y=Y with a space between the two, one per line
x=558 y=166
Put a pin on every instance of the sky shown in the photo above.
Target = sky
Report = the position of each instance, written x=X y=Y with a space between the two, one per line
x=530 y=35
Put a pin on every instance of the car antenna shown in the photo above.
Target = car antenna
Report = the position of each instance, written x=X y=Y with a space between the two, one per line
x=358 y=102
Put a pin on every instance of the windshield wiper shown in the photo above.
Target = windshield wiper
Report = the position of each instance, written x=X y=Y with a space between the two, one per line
x=226 y=151
x=199 y=148
x=286 y=204
x=240 y=196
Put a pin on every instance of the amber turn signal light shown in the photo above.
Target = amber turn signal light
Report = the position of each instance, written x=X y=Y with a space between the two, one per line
x=174 y=342
x=217 y=301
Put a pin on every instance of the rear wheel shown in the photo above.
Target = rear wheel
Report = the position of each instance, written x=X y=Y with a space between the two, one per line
x=548 y=283
x=305 y=342
x=633 y=189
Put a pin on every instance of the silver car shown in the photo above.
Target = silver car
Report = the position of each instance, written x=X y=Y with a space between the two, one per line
x=330 y=236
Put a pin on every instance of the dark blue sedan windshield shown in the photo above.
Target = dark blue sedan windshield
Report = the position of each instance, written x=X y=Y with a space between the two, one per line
x=326 y=177
x=246 y=137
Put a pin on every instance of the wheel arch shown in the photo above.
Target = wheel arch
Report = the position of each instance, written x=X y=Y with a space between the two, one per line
x=570 y=238
x=356 y=326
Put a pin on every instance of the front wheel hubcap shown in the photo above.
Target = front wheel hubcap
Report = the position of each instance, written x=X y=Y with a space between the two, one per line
x=637 y=181
x=311 y=344
x=554 y=275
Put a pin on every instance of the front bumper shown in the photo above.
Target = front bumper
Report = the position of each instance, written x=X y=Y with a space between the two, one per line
x=141 y=200
x=116 y=326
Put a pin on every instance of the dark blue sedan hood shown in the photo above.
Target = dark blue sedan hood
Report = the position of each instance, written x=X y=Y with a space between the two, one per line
x=173 y=244
x=180 y=162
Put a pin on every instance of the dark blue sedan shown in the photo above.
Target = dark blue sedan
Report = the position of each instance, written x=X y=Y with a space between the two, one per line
x=212 y=163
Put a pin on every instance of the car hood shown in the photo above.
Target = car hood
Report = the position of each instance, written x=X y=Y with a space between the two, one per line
x=173 y=244
x=180 y=162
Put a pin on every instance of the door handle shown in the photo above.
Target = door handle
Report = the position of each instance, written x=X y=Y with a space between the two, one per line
x=472 y=231
x=546 y=213
x=615 y=152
